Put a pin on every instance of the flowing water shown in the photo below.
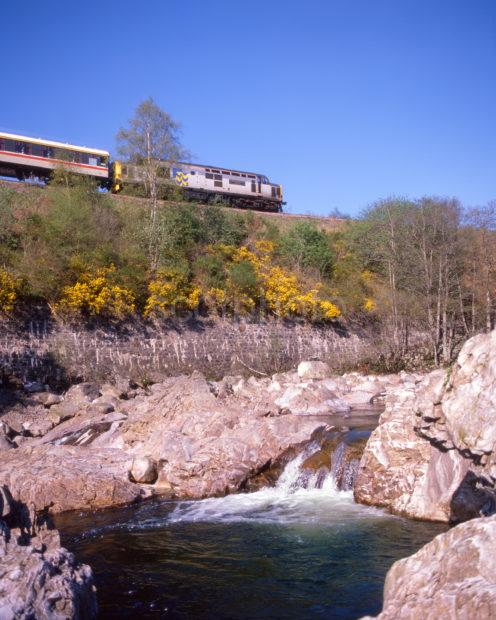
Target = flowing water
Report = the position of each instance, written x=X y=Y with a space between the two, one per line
x=300 y=550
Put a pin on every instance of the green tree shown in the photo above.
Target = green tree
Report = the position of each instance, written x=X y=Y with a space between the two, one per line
x=223 y=227
x=210 y=271
x=307 y=247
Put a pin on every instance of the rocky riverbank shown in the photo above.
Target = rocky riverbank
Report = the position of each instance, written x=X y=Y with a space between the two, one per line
x=431 y=456
x=184 y=437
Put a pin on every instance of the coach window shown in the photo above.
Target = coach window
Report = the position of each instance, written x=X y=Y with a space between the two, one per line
x=37 y=150
x=209 y=175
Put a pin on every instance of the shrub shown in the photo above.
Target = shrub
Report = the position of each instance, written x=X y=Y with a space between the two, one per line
x=95 y=295
x=307 y=247
x=170 y=292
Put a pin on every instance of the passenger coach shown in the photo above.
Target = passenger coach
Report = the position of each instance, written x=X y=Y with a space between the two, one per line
x=24 y=157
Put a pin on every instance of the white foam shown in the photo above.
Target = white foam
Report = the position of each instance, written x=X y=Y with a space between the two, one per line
x=296 y=498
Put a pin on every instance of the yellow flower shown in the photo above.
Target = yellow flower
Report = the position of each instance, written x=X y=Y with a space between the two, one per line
x=369 y=304
x=170 y=291
x=329 y=310
x=94 y=294
x=8 y=291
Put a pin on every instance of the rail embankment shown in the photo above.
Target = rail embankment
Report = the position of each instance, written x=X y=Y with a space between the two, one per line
x=44 y=350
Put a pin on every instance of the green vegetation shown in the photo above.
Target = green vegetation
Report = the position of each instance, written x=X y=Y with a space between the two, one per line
x=86 y=254
x=404 y=267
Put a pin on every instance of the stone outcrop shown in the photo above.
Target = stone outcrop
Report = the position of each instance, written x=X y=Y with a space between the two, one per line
x=39 y=578
x=59 y=478
x=453 y=576
x=100 y=446
x=433 y=454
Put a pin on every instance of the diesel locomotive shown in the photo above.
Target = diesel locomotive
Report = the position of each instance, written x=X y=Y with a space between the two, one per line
x=23 y=158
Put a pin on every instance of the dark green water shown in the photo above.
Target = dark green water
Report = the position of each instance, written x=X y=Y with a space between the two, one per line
x=283 y=553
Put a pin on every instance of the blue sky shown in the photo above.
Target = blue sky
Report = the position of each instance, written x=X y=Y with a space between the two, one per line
x=343 y=102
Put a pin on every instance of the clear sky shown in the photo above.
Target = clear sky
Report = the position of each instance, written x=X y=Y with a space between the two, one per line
x=343 y=102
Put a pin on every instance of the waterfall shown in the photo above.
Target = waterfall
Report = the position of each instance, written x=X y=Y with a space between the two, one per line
x=301 y=494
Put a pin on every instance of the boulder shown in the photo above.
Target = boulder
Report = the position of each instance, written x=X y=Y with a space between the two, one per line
x=310 y=399
x=37 y=427
x=402 y=471
x=47 y=399
x=313 y=370
x=143 y=469
x=82 y=393
x=208 y=445
x=453 y=576
x=38 y=577
x=359 y=399
x=63 y=411
x=83 y=430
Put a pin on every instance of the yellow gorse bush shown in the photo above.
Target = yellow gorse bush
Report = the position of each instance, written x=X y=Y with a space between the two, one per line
x=281 y=290
x=94 y=294
x=8 y=291
x=169 y=291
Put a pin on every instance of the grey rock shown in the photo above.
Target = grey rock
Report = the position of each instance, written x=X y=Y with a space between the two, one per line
x=34 y=386
x=82 y=392
x=313 y=370
x=453 y=576
x=143 y=469
x=38 y=577
x=47 y=399
x=37 y=427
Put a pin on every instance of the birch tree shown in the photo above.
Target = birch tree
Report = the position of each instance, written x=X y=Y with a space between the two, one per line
x=150 y=141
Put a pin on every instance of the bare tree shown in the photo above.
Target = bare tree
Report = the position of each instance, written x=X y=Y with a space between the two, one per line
x=480 y=276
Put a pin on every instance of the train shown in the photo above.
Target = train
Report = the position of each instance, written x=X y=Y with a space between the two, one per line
x=26 y=158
